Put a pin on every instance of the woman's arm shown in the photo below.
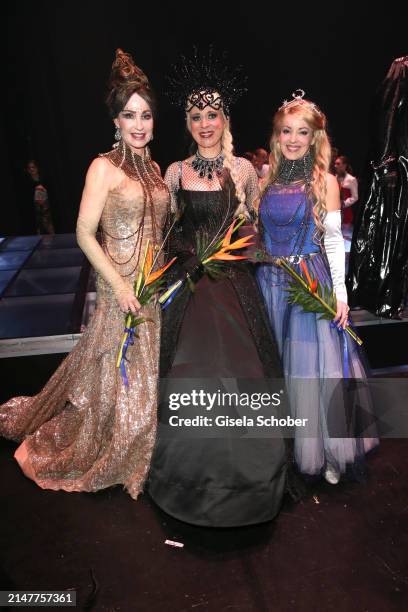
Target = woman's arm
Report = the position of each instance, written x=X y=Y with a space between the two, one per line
x=353 y=186
x=334 y=247
x=99 y=180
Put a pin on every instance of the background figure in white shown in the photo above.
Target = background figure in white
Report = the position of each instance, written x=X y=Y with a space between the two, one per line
x=348 y=192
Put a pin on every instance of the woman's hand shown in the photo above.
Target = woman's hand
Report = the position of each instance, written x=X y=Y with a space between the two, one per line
x=128 y=303
x=341 y=317
x=193 y=268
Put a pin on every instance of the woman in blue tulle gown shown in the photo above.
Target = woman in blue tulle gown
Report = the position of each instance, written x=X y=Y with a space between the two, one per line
x=300 y=221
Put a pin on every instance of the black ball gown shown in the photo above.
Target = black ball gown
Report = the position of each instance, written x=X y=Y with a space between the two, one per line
x=213 y=337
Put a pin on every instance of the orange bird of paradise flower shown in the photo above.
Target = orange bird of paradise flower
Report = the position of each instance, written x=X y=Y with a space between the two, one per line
x=144 y=293
x=312 y=283
x=223 y=253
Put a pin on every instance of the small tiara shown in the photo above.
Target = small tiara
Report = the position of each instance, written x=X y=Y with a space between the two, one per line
x=298 y=98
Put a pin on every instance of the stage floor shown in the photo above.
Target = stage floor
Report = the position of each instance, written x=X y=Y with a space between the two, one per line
x=47 y=291
x=341 y=548
x=47 y=294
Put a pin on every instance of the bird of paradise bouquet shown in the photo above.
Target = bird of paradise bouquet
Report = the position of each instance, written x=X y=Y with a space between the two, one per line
x=211 y=256
x=148 y=283
x=308 y=292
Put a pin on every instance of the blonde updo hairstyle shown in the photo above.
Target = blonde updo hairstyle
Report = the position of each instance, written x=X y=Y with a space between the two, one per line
x=227 y=149
x=320 y=150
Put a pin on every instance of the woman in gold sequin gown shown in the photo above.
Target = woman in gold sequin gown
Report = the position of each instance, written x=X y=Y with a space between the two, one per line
x=86 y=430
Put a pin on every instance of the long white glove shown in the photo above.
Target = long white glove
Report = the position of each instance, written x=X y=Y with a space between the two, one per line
x=336 y=255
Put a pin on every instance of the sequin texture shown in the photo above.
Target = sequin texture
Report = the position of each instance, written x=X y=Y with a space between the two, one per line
x=85 y=430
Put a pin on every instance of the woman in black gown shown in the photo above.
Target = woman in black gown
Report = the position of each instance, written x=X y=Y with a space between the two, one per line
x=217 y=337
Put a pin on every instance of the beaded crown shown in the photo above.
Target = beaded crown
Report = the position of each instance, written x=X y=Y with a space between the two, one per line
x=205 y=80
x=298 y=97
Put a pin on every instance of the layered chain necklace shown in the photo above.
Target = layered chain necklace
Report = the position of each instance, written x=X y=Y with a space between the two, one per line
x=141 y=169
x=137 y=167
x=208 y=166
x=289 y=172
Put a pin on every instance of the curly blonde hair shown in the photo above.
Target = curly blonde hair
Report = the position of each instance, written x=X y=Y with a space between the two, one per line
x=227 y=148
x=320 y=150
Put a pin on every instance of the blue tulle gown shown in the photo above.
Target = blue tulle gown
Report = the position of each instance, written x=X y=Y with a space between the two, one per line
x=320 y=363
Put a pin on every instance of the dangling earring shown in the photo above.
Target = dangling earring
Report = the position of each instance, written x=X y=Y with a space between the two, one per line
x=151 y=137
x=118 y=133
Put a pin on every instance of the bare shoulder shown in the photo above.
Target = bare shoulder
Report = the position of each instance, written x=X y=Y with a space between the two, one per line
x=101 y=169
x=331 y=182
x=104 y=175
x=99 y=179
x=333 y=193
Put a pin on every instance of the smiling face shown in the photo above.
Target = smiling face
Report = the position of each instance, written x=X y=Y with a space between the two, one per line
x=295 y=136
x=206 y=127
x=136 y=123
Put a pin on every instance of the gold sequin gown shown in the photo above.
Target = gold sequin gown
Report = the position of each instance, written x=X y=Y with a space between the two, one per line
x=85 y=430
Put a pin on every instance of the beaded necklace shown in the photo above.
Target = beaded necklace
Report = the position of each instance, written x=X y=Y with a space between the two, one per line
x=208 y=166
x=290 y=172
x=141 y=169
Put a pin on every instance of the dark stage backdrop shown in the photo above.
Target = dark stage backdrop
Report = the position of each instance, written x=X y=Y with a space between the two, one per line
x=60 y=54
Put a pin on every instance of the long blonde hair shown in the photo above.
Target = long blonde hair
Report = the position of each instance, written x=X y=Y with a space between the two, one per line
x=227 y=149
x=320 y=151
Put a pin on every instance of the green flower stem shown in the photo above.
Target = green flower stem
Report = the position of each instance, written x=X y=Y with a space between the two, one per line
x=296 y=276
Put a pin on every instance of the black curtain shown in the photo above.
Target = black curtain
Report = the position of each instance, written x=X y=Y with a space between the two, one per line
x=60 y=55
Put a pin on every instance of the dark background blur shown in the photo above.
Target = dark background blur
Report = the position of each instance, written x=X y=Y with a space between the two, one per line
x=60 y=53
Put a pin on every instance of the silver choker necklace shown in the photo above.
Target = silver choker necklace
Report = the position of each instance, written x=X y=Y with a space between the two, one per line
x=207 y=166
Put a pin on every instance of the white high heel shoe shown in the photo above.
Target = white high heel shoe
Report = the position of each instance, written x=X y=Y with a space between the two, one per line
x=331 y=474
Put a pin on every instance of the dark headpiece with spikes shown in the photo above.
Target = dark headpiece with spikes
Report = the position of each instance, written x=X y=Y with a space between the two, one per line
x=205 y=80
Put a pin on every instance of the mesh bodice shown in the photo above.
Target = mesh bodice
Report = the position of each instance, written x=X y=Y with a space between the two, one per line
x=180 y=175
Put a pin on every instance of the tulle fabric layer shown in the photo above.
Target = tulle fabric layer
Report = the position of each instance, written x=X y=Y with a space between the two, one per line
x=316 y=357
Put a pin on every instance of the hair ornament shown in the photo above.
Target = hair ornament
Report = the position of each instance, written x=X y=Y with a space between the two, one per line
x=205 y=80
x=299 y=98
